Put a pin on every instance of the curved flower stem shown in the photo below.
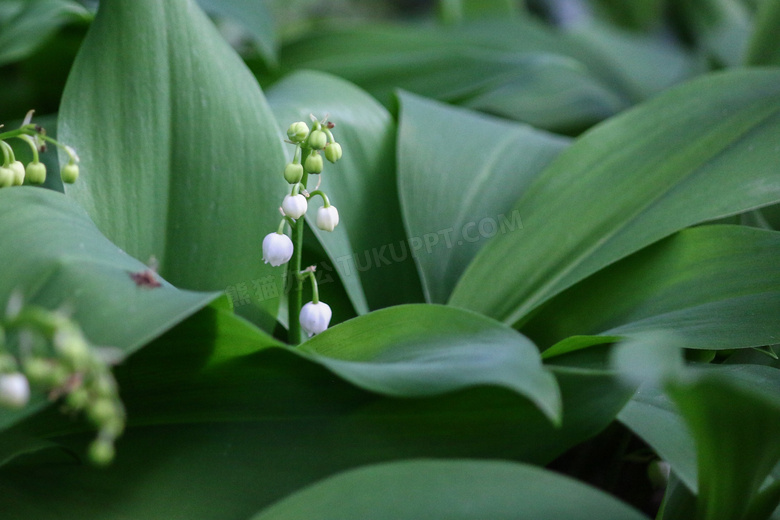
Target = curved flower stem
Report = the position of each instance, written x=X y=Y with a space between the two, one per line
x=295 y=287
x=315 y=293
x=325 y=200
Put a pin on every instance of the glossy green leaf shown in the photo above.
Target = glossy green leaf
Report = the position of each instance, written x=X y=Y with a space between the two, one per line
x=531 y=84
x=25 y=26
x=717 y=287
x=639 y=14
x=368 y=249
x=728 y=413
x=419 y=350
x=619 y=188
x=254 y=17
x=12 y=446
x=653 y=416
x=180 y=155
x=234 y=426
x=733 y=413
x=637 y=65
x=763 y=48
x=456 y=11
x=449 y=490
x=459 y=175
x=55 y=257
x=552 y=92
x=720 y=27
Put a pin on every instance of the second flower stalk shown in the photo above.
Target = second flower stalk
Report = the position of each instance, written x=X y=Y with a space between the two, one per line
x=278 y=248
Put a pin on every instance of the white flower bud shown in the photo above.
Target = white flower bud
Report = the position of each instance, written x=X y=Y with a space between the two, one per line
x=14 y=390
x=7 y=177
x=315 y=317
x=327 y=218
x=277 y=249
x=294 y=206
x=18 y=169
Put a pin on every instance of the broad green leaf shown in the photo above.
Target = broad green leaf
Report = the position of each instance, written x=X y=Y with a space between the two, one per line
x=729 y=413
x=629 y=65
x=254 y=17
x=763 y=48
x=549 y=91
x=457 y=489
x=679 y=503
x=720 y=27
x=13 y=446
x=450 y=65
x=232 y=426
x=456 y=11
x=180 y=154
x=637 y=65
x=459 y=175
x=25 y=26
x=55 y=257
x=368 y=249
x=419 y=350
x=732 y=412
x=699 y=152
x=716 y=287
x=653 y=416
x=639 y=14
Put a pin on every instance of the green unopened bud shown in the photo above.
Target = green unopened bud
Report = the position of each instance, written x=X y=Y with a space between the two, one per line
x=105 y=386
x=318 y=140
x=101 y=451
x=40 y=371
x=293 y=173
x=333 y=152
x=313 y=163
x=6 y=177
x=78 y=399
x=70 y=173
x=102 y=411
x=36 y=173
x=114 y=427
x=18 y=169
x=74 y=348
x=298 y=131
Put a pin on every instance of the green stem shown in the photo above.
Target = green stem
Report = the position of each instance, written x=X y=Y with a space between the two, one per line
x=315 y=293
x=8 y=153
x=325 y=200
x=295 y=293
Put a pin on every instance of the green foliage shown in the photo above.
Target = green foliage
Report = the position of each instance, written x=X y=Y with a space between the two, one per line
x=554 y=233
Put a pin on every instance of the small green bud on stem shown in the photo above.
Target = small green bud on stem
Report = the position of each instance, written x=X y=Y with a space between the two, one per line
x=36 y=173
x=318 y=140
x=313 y=163
x=6 y=177
x=333 y=152
x=298 y=131
x=70 y=173
x=293 y=173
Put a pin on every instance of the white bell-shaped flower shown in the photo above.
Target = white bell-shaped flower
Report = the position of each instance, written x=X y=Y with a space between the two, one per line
x=294 y=206
x=315 y=317
x=14 y=390
x=327 y=218
x=277 y=249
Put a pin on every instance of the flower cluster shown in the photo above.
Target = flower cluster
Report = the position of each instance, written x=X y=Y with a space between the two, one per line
x=310 y=146
x=14 y=173
x=47 y=350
